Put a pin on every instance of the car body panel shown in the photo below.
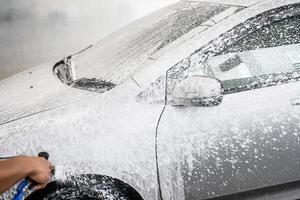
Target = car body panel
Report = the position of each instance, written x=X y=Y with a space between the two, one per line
x=33 y=91
x=109 y=134
x=251 y=140
x=212 y=137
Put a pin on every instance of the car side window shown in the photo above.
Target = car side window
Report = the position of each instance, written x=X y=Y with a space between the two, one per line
x=266 y=57
x=279 y=33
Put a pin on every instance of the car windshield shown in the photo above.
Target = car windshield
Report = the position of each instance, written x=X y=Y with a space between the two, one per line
x=116 y=57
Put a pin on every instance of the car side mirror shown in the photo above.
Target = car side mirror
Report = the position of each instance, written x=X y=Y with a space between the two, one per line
x=197 y=90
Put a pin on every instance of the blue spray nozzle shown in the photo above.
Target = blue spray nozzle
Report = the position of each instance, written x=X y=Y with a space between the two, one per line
x=21 y=189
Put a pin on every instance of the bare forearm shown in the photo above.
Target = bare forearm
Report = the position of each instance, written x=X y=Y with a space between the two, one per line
x=12 y=171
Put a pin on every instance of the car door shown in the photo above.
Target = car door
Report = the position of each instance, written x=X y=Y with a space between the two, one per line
x=250 y=143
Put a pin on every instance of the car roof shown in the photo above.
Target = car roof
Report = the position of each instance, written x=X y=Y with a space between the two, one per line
x=245 y=3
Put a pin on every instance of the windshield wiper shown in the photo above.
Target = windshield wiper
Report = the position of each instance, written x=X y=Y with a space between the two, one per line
x=65 y=70
x=78 y=53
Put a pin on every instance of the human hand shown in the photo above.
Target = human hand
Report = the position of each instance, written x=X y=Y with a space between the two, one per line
x=39 y=171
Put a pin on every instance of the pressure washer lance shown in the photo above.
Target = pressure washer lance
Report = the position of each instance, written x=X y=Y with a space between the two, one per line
x=26 y=184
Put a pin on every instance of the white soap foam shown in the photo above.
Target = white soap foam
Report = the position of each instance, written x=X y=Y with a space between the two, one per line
x=60 y=174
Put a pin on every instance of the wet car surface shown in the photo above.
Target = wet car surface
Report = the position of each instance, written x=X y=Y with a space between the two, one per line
x=199 y=100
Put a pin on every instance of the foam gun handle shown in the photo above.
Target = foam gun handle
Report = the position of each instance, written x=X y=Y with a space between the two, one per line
x=44 y=155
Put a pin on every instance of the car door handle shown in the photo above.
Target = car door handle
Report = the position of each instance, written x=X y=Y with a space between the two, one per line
x=295 y=101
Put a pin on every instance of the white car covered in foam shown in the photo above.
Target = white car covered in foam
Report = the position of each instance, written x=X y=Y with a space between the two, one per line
x=199 y=100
